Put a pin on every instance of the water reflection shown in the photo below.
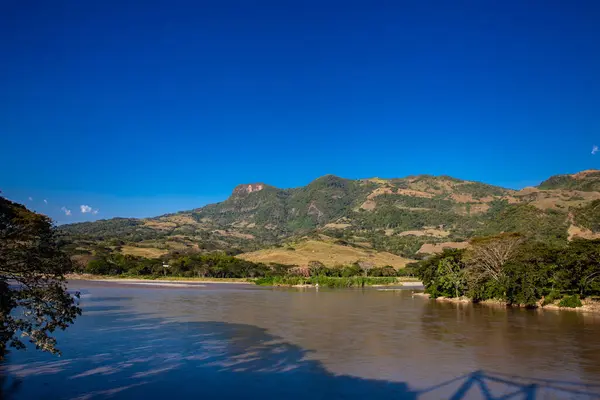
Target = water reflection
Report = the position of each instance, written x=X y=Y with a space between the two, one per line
x=240 y=342
x=552 y=344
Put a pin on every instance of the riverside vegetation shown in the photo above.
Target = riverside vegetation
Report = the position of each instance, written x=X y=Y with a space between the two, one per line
x=327 y=281
x=222 y=266
x=512 y=269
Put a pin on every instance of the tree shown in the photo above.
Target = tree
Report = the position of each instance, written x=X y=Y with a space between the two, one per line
x=488 y=256
x=99 y=266
x=530 y=273
x=34 y=301
x=388 y=270
x=365 y=266
x=317 y=268
x=580 y=266
x=300 y=271
x=443 y=273
x=452 y=275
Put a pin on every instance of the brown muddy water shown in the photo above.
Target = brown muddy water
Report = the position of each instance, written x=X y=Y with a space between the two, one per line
x=241 y=341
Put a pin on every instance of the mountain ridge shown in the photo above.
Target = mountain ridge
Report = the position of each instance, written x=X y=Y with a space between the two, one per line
x=397 y=215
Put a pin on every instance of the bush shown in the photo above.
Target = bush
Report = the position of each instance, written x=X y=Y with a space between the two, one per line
x=384 y=271
x=570 y=301
x=357 y=281
x=264 y=281
x=102 y=266
x=406 y=271
x=282 y=280
x=351 y=270
x=551 y=297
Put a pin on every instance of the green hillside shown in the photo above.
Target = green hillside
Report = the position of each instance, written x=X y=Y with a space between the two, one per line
x=586 y=181
x=398 y=215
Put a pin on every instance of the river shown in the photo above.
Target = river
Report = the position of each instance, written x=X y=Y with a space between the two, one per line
x=242 y=341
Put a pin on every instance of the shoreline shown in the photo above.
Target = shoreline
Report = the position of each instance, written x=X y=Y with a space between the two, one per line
x=201 y=282
x=179 y=282
x=403 y=286
x=588 y=305
x=399 y=285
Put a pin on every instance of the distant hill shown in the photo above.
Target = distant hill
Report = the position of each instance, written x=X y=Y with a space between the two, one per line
x=403 y=216
x=586 y=181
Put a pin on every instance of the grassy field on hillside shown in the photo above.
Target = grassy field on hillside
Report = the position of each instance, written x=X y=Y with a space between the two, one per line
x=148 y=252
x=330 y=254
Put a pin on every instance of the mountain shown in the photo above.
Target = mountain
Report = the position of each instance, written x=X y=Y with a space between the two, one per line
x=404 y=216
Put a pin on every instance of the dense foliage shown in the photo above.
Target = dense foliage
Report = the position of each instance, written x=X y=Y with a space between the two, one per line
x=123 y=228
x=221 y=265
x=213 y=265
x=511 y=268
x=588 y=216
x=479 y=190
x=544 y=225
x=34 y=301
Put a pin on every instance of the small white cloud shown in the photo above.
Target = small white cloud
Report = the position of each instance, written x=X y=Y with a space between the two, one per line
x=594 y=149
x=30 y=198
x=66 y=211
x=87 y=209
x=45 y=201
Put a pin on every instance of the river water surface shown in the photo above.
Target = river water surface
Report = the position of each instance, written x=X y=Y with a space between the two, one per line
x=241 y=341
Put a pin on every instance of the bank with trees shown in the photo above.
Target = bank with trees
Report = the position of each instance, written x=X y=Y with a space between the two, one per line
x=518 y=271
x=221 y=265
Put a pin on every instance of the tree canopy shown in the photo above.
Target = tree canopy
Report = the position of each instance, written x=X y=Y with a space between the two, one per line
x=34 y=301
x=510 y=268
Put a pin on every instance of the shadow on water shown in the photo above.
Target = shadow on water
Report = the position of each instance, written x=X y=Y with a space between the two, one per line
x=496 y=386
x=153 y=359
x=116 y=354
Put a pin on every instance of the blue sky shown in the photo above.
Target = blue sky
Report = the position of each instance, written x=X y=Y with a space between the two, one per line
x=138 y=110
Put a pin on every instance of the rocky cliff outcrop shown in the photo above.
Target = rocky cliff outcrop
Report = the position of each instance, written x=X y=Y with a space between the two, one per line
x=248 y=188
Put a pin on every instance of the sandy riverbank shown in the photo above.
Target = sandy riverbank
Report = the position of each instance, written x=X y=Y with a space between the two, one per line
x=178 y=282
x=411 y=284
x=445 y=299
x=588 y=306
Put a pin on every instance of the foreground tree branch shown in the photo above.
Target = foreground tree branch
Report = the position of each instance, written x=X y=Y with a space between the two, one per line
x=34 y=301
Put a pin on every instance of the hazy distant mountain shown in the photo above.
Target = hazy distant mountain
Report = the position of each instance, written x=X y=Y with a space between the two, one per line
x=402 y=215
